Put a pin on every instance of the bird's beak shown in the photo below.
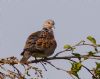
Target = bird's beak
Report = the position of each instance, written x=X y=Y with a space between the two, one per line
x=53 y=25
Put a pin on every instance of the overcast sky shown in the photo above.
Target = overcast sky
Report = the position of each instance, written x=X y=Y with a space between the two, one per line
x=74 y=19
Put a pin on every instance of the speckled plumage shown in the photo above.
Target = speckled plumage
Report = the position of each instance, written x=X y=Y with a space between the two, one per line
x=41 y=43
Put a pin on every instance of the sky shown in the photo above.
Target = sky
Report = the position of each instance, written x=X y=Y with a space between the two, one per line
x=74 y=21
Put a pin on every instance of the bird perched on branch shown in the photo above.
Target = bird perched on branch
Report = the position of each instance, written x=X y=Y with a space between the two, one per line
x=40 y=44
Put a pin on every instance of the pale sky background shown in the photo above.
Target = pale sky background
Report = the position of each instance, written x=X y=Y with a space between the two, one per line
x=75 y=20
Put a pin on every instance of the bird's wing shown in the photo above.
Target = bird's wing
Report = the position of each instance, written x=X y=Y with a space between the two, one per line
x=31 y=41
x=51 y=47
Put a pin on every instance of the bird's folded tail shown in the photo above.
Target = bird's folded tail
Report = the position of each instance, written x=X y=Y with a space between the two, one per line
x=26 y=56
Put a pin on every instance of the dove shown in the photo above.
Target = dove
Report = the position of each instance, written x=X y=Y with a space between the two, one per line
x=40 y=44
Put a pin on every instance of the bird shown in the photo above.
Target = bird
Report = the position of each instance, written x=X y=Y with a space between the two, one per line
x=40 y=44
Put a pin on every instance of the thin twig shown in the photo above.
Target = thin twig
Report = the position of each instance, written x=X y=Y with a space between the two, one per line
x=55 y=66
x=68 y=48
x=89 y=71
x=19 y=73
x=81 y=43
x=86 y=69
x=61 y=52
x=43 y=66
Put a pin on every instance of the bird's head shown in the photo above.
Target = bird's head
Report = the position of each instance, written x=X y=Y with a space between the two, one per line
x=49 y=24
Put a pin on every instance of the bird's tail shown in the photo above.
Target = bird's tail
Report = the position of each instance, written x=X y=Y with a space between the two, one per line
x=23 y=60
x=25 y=57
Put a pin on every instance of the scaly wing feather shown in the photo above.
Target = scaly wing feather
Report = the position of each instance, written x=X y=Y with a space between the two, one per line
x=31 y=41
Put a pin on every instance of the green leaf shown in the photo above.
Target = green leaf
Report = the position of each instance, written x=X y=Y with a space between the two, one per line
x=67 y=46
x=75 y=69
x=77 y=55
x=91 y=39
x=97 y=70
x=97 y=65
x=76 y=75
x=98 y=45
x=96 y=49
x=91 y=53
x=78 y=65
x=85 y=58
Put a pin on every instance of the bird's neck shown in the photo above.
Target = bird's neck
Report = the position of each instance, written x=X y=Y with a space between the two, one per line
x=47 y=30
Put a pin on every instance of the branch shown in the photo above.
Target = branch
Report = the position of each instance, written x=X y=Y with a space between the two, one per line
x=11 y=61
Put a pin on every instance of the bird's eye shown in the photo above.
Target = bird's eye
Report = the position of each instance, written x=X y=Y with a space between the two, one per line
x=48 y=22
